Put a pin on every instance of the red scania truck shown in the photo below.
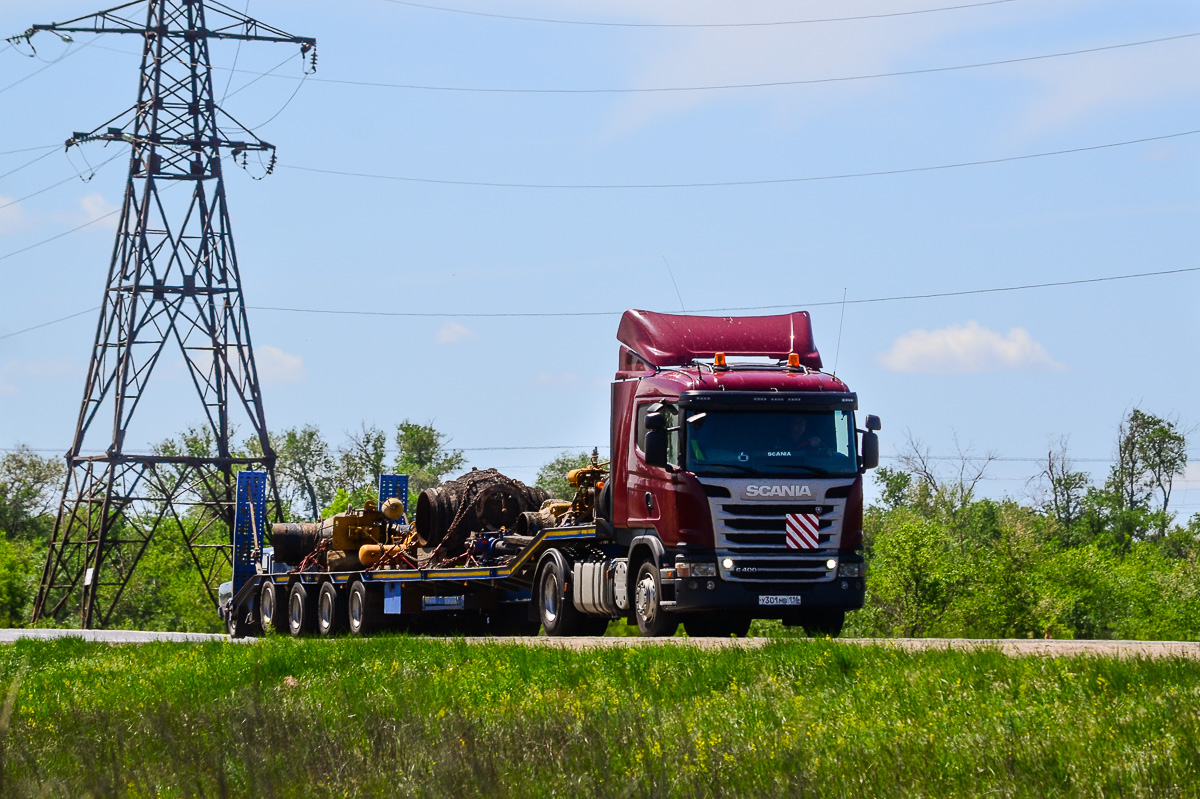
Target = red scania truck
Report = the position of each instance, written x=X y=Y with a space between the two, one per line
x=734 y=493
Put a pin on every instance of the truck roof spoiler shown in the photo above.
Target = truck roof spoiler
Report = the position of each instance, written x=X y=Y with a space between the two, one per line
x=660 y=339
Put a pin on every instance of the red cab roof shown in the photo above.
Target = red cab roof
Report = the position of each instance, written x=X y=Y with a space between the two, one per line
x=675 y=340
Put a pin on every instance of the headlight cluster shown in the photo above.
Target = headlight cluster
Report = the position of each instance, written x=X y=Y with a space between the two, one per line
x=852 y=570
x=688 y=569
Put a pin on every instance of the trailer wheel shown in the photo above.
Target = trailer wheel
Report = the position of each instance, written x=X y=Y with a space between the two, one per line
x=652 y=620
x=301 y=610
x=721 y=625
x=236 y=624
x=821 y=623
x=331 y=610
x=362 y=611
x=271 y=612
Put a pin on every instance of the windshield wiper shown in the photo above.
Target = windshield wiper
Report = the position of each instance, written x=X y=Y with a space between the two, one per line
x=817 y=470
x=738 y=466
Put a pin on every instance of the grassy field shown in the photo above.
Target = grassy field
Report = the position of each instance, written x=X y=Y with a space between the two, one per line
x=402 y=716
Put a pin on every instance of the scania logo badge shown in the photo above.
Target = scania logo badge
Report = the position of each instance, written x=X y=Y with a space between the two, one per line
x=792 y=491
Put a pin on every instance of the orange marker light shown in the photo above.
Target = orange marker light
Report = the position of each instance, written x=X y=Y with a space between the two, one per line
x=719 y=360
x=793 y=360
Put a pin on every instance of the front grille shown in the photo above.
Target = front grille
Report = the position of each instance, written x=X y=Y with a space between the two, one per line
x=752 y=535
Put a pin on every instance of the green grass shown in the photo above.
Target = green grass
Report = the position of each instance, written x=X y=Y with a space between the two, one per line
x=403 y=716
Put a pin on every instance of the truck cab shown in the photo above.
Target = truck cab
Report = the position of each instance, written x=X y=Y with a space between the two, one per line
x=736 y=475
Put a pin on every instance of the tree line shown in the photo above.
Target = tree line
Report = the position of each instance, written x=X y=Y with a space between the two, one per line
x=1078 y=558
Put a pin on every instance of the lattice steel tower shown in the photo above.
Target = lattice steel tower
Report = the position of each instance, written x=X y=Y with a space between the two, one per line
x=173 y=283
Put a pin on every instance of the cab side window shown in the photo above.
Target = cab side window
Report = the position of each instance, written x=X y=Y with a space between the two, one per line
x=670 y=417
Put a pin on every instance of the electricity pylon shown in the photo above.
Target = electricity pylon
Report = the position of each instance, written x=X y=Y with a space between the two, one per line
x=173 y=285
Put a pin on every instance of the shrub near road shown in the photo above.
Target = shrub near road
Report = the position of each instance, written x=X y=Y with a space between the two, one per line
x=402 y=716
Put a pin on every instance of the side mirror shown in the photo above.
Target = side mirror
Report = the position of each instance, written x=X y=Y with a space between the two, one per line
x=869 y=458
x=655 y=421
x=873 y=422
x=656 y=446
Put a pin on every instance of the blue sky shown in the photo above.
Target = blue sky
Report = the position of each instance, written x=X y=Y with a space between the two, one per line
x=1005 y=372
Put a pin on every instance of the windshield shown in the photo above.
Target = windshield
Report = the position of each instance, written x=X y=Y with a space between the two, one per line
x=776 y=442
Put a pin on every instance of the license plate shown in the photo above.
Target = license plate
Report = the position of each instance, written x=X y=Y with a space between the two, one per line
x=779 y=600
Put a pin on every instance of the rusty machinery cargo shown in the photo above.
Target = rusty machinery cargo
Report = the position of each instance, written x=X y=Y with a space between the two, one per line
x=734 y=493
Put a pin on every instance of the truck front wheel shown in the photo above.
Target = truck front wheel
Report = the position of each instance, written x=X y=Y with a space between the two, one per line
x=653 y=621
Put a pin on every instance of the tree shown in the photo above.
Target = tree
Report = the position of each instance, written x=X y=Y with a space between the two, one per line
x=305 y=468
x=1067 y=490
x=552 y=477
x=423 y=456
x=29 y=493
x=1151 y=453
x=361 y=459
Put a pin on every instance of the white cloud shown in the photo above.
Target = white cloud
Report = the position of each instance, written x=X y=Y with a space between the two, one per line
x=967 y=348
x=12 y=216
x=95 y=207
x=278 y=368
x=452 y=332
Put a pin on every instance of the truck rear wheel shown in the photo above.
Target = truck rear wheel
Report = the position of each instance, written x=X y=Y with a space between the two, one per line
x=719 y=625
x=557 y=612
x=301 y=610
x=652 y=620
x=331 y=610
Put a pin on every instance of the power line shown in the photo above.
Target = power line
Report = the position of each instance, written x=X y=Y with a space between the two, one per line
x=735 y=86
x=59 y=236
x=47 y=324
x=95 y=170
x=593 y=23
x=730 y=183
x=32 y=149
x=576 y=314
x=70 y=52
x=28 y=164
x=573 y=314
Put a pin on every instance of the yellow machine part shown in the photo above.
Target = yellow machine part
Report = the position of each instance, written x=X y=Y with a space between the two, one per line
x=370 y=554
x=354 y=528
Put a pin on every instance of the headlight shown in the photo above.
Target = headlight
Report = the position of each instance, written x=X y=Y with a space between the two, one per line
x=852 y=570
x=689 y=569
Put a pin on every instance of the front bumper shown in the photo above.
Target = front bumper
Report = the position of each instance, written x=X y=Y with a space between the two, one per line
x=767 y=600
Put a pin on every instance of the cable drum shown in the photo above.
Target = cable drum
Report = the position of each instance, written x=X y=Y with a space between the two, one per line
x=483 y=500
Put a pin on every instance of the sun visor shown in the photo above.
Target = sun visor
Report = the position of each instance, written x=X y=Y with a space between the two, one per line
x=675 y=340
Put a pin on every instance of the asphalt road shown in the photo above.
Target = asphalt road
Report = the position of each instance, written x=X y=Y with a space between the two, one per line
x=1015 y=647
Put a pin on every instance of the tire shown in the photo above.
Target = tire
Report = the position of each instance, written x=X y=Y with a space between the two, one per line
x=363 y=611
x=235 y=623
x=302 y=615
x=822 y=623
x=717 y=625
x=271 y=612
x=556 y=611
x=331 y=610
x=652 y=620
